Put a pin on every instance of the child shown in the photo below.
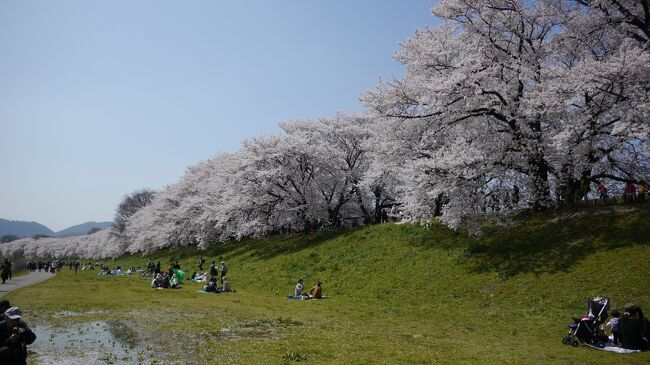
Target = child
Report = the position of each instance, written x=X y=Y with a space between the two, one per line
x=298 y=291
x=613 y=324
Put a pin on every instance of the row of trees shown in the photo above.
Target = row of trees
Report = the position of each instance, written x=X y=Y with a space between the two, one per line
x=506 y=105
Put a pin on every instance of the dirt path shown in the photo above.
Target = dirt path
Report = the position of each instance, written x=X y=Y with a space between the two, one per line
x=25 y=280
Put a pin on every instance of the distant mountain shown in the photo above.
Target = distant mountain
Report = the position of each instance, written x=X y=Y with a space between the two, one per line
x=29 y=229
x=23 y=229
x=83 y=228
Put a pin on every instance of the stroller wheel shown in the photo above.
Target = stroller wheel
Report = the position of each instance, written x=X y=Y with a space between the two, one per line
x=570 y=340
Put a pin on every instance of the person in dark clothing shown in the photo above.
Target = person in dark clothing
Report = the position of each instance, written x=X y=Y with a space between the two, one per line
x=14 y=338
x=213 y=270
x=211 y=287
x=634 y=329
x=4 y=271
x=4 y=305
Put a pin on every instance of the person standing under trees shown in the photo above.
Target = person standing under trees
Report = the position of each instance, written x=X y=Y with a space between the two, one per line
x=201 y=262
x=602 y=190
x=213 y=271
x=630 y=192
x=224 y=270
x=642 y=193
x=584 y=189
x=76 y=267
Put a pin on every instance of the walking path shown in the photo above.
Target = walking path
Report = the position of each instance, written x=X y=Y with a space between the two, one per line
x=22 y=281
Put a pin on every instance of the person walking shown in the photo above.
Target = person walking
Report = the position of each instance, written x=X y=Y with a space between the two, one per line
x=4 y=272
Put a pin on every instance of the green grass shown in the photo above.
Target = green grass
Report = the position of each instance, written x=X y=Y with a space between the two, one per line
x=398 y=294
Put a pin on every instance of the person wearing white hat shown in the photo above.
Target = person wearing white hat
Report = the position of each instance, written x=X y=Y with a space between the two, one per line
x=14 y=338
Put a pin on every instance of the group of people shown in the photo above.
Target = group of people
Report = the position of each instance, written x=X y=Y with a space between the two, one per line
x=105 y=270
x=316 y=291
x=47 y=266
x=213 y=286
x=216 y=274
x=632 y=330
x=15 y=335
x=631 y=193
x=173 y=278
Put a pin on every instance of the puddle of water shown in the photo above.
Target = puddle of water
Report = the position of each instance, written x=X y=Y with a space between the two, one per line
x=92 y=343
x=77 y=314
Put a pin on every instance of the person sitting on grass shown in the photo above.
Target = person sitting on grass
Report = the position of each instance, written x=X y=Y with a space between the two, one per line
x=316 y=292
x=173 y=282
x=211 y=287
x=165 y=280
x=634 y=329
x=157 y=281
x=612 y=324
x=297 y=293
x=200 y=277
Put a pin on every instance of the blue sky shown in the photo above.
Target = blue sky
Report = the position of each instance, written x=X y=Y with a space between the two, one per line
x=101 y=98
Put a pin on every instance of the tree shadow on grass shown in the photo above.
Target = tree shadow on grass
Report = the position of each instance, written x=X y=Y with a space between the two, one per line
x=556 y=241
x=272 y=246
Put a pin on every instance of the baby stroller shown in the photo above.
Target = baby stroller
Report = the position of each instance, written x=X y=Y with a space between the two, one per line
x=585 y=328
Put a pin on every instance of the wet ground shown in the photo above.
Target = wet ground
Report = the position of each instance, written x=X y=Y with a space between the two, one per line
x=88 y=343
x=94 y=338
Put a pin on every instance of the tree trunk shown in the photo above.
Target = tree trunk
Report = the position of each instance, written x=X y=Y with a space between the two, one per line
x=364 y=211
x=377 y=193
x=539 y=175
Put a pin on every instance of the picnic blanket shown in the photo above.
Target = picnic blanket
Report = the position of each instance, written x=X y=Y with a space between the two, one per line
x=301 y=298
x=613 y=348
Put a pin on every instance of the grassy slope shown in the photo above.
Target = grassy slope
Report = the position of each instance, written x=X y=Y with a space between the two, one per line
x=399 y=293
